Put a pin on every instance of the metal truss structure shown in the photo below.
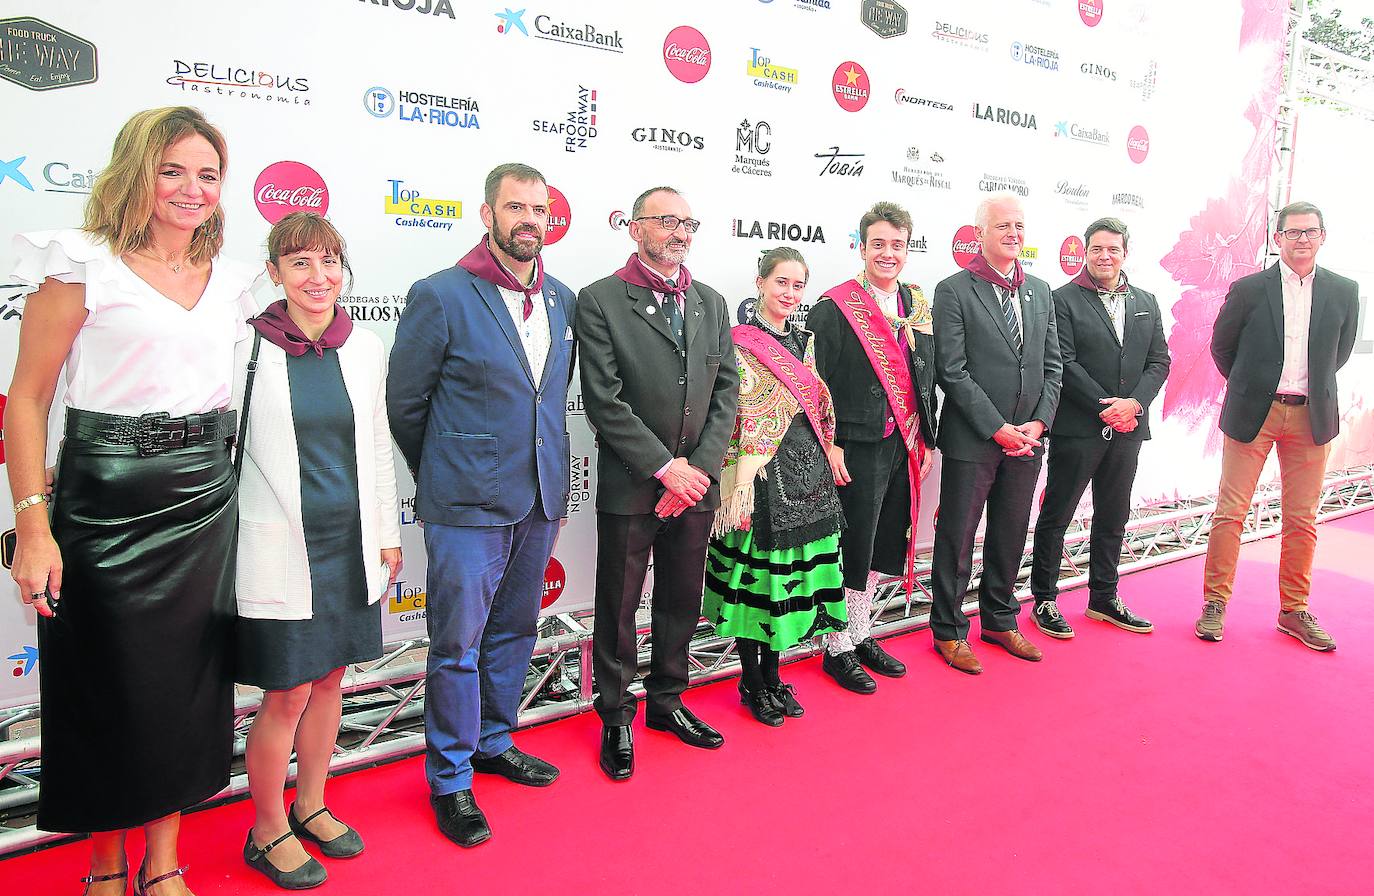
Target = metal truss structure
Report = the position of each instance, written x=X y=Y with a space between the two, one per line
x=384 y=700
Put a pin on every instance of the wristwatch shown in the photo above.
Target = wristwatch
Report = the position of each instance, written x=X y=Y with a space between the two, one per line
x=30 y=501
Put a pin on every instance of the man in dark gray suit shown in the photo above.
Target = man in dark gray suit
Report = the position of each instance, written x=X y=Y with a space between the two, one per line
x=660 y=387
x=1279 y=339
x=997 y=360
x=1111 y=341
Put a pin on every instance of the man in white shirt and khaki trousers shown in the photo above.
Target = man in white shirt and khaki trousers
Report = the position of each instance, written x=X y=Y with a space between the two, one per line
x=1279 y=339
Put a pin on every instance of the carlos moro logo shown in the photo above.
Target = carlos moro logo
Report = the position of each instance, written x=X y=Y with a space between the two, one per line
x=1082 y=133
x=687 y=54
x=966 y=246
x=286 y=187
x=842 y=164
x=777 y=231
x=993 y=183
x=885 y=18
x=903 y=98
x=1013 y=117
x=1072 y=256
x=1138 y=144
x=417 y=107
x=667 y=139
x=424 y=7
x=767 y=74
x=849 y=86
x=40 y=56
x=1090 y=11
x=239 y=82
x=582 y=34
x=960 y=36
x=560 y=216
x=1039 y=57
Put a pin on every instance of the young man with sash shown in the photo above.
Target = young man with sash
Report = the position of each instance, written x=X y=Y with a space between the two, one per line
x=773 y=566
x=875 y=351
x=997 y=360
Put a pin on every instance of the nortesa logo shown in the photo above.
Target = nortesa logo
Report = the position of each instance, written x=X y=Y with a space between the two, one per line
x=618 y=221
x=286 y=187
x=687 y=54
x=849 y=86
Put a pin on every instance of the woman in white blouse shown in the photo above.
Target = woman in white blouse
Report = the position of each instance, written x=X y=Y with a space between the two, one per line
x=133 y=578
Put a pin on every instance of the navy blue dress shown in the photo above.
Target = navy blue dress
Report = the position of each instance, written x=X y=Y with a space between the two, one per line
x=275 y=654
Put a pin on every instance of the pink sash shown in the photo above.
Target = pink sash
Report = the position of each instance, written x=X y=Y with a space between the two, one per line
x=890 y=364
x=804 y=385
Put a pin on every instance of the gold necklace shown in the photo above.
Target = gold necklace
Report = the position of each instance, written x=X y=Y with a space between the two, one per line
x=175 y=268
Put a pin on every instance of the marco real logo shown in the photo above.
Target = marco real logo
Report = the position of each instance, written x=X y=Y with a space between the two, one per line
x=687 y=54
x=40 y=56
x=418 y=108
x=767 y=73
x=560 y=216
x=849 y=86
x=286 y=187
x=410 y=208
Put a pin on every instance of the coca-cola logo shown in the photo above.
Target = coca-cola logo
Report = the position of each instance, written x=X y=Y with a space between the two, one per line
x=849 y=86
x=687 y=54
x=966 y=246
x=1072 y=256
x=1138 y=144
x=1090 y=11
x=286 y=187
x=555 y=580
x=560 y=216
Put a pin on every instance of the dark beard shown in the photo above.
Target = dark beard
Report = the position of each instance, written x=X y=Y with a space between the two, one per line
x=519 y=251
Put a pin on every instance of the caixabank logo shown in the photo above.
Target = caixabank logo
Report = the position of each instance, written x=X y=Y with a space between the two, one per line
x=40 y=56
x=24 y=660
x=418 y=108
x=240 y=82
x=408 y=207
x=585 y=35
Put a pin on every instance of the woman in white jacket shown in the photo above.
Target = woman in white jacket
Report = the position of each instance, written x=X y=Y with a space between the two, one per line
x=319 y=538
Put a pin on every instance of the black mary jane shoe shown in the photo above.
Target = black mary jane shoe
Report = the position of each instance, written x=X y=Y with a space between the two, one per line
x=310 y=874
x=761 y=705
x=345 y=846
x=101 y=878
x=786 y=697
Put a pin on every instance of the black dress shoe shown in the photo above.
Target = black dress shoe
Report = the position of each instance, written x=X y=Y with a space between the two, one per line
x=345 y=846
x=310 y=873
x=872 y=655
x=785 y=696
x=617 y=752
x=517 y=766
x=1119 y=615
x=689 y=729
x=1050 y=621
x=761 y=705
x=460 y=819
x=845 y=669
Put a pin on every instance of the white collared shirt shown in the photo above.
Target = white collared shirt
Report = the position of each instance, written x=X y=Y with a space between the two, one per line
x=534 y=333
x=1015 y=303
x=1297 y=316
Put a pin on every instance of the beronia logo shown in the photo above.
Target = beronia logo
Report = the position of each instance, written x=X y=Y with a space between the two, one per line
x=1138 y=144
x=1072 y=255
x=903 y=98
x=286 y=187
x=849 y=86
x=768 y=74
x=687 y=54
x=1012 y=117
x=560 y=216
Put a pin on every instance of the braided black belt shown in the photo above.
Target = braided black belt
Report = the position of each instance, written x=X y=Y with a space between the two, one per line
x=151 y=433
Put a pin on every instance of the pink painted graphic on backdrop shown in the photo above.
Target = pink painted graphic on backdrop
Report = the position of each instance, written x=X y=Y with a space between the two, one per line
x=560 y=216
x=687 y=54
x=966 y=246
x=1138 y=144
x=1225 y=240
x=1090 y=11
x=286 y=187
x=1071 y=256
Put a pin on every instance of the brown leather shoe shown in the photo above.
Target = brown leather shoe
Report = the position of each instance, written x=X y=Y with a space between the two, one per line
x=959 y=655
x=1013 y=643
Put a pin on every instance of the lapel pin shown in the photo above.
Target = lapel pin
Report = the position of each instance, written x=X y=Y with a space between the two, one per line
x=648 y=309
x=550 y=301
x=696 y=314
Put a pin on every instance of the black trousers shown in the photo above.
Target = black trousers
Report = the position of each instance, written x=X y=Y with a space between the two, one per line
x=1006 y=487
x=623 y=544
x=877 y=510
x=1110 y=465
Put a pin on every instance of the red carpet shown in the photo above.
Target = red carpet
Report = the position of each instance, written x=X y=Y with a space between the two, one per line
x=1121 y=764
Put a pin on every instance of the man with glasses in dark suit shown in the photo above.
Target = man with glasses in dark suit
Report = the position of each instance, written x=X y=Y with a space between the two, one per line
x=1111 y=342
x=1279 y=339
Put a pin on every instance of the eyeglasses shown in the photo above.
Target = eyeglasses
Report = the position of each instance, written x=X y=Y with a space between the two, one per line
x=1292 y=234
x=671 y=222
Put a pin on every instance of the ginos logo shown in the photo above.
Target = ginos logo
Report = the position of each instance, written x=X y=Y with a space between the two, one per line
x=687 y=54
x=1072 y=256
x=286 y=187
x=555 y=580
x=560 y=216
x=966 y=246
x=618 y=221
x=1138 y=144
x=849 y=86
x=1090 y=11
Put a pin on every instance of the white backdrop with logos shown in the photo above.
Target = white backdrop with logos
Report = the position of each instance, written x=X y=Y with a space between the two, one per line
x=781 y=120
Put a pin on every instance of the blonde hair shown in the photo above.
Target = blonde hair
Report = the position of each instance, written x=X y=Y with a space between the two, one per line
x=121 y=203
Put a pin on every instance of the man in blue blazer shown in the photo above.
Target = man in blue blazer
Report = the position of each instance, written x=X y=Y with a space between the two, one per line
x=476 y=397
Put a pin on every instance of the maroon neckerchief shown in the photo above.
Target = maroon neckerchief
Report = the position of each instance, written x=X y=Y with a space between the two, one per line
x=637 y=273
x=795 y=376
x=1085 y=280
x=980 y=268
x=277 y=327
x=482 y=262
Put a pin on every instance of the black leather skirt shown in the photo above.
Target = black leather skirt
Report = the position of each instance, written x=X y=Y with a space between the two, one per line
x=134 y=670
